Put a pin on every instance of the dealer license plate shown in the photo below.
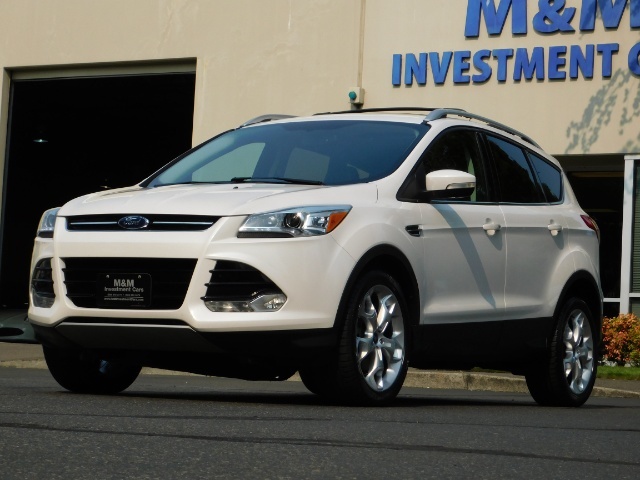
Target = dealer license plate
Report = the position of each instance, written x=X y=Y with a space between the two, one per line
x=124 y=290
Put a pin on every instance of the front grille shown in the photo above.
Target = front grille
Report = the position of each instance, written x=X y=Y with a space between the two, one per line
x=170 y=223
x=170 y=278
x=232 y=281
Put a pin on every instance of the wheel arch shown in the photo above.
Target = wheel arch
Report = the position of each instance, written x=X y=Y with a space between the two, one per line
x=391 y=260
x=584 y=286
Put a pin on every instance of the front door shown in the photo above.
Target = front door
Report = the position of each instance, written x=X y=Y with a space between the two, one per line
x=464 y=245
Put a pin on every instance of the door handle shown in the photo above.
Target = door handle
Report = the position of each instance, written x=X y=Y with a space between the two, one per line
x=554 y=228
x=491 y=228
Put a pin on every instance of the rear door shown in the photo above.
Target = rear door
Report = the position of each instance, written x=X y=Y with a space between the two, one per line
x=535 y=227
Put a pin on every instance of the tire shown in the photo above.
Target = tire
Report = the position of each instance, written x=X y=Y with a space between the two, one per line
x=568 y=374
x=82 y=372
x=320 y=380
x=372 y=358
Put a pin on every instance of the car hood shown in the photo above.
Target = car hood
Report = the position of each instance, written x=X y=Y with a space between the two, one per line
x=218 y=200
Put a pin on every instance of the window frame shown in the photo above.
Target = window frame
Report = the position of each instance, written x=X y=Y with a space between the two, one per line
x=530 y=154
x=413 y=191
x=527 y=152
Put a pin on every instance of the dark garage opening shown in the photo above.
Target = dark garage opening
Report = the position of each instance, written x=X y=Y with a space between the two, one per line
x=72 y=136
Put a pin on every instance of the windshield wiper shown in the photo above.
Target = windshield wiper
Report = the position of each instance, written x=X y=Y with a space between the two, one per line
x=186 y=182
x=295 y=181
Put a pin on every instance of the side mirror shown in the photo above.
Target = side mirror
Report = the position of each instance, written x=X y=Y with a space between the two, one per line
x=450 y=184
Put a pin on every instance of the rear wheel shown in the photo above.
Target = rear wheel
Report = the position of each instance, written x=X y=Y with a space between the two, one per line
x=569 y=372
x=83 y=372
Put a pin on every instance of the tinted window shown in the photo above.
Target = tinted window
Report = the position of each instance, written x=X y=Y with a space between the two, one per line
x=334 y=152
x=517 y=184
x=458 y=150
x=549 y=177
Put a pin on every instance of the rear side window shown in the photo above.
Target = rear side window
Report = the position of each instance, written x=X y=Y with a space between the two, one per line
x=550 y=178
x=515 y=177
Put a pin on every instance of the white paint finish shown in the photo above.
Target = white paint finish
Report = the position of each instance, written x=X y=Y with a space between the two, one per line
x=464 y=265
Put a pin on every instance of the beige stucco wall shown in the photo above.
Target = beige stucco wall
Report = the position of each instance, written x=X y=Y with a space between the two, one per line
x=253 y=56
x=566 y=117
x=302 y=56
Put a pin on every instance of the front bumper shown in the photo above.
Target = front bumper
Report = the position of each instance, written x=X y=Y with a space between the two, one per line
x=312 y=272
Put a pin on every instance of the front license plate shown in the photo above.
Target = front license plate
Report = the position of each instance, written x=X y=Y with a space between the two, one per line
x=124 y=290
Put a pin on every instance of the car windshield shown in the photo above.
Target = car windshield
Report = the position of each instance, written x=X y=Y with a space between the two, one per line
x=331 y=152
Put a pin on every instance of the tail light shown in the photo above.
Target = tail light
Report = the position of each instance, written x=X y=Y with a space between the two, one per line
x=591 y=223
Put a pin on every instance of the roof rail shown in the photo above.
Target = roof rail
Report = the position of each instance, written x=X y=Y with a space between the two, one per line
x=445 y=112
x=266 y=118
x=386 y=109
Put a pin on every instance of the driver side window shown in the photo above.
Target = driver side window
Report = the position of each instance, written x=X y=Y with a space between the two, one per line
x=458 y=150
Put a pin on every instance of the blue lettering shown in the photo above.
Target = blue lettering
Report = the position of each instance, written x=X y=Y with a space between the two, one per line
x=607 y=50
x=582 y=62
x=482 y=66
x=461 y=65
x=495 y=18
x=522 y=64
x=415 y=68
x=553 y=17
x=502 y=54
x=634 y=59
x=440 y=69
x=396 y=70
x=611 y=10
x=557 y=61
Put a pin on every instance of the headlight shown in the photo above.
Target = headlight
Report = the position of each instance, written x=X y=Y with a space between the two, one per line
x=294 y=222
x=47 y=223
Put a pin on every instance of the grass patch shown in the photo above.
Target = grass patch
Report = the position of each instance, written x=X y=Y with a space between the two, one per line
x=619 y=373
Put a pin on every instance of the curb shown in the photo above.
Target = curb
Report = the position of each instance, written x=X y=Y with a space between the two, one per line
x=436 y=380
x=488 y=382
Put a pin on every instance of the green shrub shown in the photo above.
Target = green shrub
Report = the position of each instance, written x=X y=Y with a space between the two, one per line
x=621 y=339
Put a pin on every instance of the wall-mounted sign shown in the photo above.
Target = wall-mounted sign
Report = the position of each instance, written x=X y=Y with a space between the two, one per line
x=542 y=63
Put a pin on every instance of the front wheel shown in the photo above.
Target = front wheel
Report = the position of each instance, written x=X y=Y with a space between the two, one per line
x=372 y=360
x=569 y=373
x=83 y=372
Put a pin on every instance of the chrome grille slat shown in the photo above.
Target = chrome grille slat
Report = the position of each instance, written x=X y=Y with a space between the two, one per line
x=157 y=222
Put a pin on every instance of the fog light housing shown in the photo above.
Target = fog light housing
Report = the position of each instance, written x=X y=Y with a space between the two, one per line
x=42 y=293
x=270 y=302
x=41 y=301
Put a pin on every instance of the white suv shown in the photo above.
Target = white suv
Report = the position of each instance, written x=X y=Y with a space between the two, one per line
x=345 y=246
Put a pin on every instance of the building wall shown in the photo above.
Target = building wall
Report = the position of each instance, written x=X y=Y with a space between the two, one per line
x=253 y=56
x=302 y=56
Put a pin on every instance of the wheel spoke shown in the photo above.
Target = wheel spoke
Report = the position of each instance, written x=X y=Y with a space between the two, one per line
x=392 y=349
x=376 y=372
x=364 y=346
x=368 y=314
x=385 y=313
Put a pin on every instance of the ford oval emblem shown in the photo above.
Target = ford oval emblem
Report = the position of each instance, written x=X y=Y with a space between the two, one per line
x=134 y=222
